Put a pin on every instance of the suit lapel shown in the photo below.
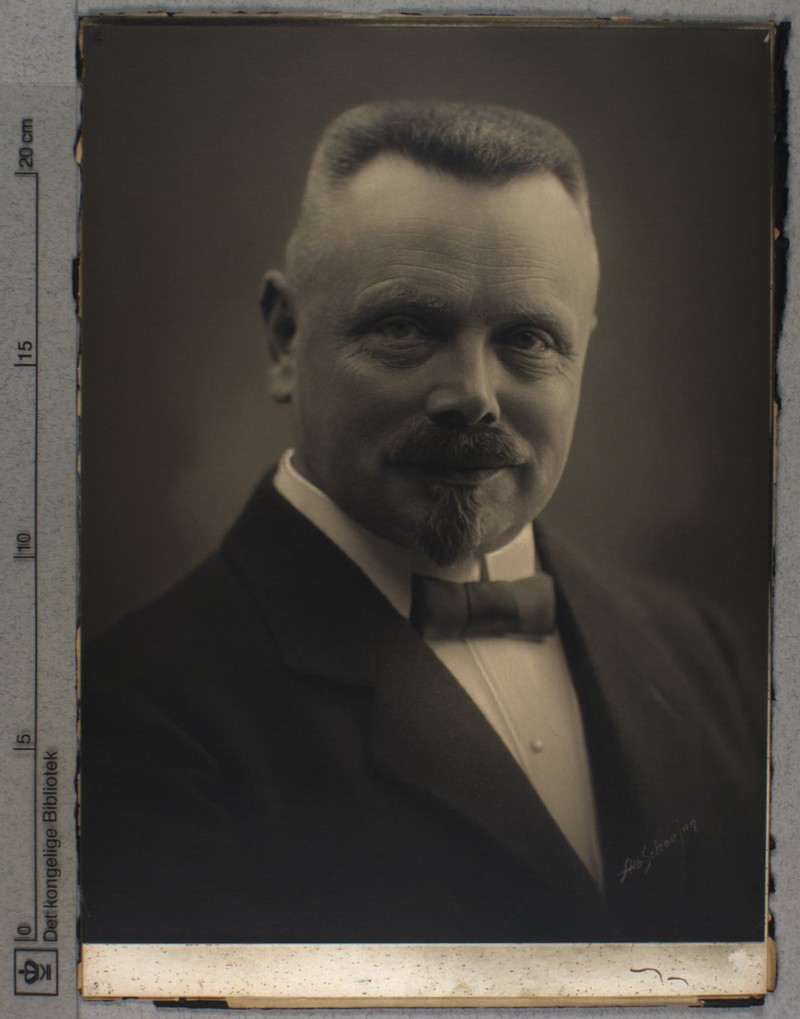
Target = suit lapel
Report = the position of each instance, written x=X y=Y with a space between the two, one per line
x=429 y=735
x=631 y=692
x=330 y=621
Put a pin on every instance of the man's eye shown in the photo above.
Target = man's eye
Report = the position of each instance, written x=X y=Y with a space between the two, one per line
x=397 y=341
x=399 y=328
x=529 y=339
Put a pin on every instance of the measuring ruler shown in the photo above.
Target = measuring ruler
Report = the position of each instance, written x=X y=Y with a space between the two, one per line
x=23 y=402
x=38 y=230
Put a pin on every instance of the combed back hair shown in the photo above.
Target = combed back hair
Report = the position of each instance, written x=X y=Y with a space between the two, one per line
x=480 y=143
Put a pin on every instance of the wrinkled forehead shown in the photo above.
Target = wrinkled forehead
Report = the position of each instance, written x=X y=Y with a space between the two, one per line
x=394 y=212
x=394 y=193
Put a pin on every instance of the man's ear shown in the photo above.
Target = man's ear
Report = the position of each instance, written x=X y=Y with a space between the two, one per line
x=277 y=307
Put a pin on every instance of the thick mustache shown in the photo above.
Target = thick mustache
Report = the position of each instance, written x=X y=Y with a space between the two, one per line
x=467 y=448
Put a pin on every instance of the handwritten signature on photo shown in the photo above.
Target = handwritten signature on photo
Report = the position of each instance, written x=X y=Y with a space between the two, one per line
x=651 y=850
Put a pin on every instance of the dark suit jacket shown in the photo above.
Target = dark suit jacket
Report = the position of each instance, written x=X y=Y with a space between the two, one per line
x=271 y=753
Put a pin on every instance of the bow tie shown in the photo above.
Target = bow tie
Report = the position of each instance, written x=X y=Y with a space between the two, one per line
x=441 y=609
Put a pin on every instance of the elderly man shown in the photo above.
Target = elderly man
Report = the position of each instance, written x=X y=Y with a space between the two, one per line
x=391 y=709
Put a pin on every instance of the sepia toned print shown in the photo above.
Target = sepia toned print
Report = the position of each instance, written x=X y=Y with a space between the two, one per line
x=453 y=675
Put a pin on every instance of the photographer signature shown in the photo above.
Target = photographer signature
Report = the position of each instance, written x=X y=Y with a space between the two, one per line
x=650 y=851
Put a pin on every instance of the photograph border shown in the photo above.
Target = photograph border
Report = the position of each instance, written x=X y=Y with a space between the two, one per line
x=760 y=963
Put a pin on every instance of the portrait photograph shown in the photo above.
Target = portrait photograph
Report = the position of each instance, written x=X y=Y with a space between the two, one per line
x=426 y=467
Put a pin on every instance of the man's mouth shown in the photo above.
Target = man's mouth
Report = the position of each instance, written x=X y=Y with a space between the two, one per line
x=459 y=472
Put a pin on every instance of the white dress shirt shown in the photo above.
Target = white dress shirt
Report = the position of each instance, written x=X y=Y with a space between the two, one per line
x=521 y=685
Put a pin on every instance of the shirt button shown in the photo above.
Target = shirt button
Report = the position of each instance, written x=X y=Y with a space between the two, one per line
x=536 y=746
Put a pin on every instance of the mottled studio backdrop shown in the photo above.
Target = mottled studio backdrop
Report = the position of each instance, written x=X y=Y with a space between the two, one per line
x=196 y=139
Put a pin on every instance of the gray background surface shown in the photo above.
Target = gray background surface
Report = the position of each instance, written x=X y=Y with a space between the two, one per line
x=37 y=47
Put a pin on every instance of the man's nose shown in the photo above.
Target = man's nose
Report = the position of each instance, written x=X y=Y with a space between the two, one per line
x=464 y=392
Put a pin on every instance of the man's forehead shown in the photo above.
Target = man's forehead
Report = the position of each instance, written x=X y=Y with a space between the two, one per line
x=394 y=194
x=520 y=243
x=393 y=206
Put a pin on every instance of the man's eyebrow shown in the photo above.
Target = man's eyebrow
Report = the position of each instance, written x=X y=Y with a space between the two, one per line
x=540 y=317
x=399 y=294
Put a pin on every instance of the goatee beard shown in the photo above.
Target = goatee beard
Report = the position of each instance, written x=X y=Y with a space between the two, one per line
x=452 y=526
x=451 y=530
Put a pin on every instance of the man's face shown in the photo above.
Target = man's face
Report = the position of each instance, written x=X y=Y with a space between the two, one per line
x=436 y=362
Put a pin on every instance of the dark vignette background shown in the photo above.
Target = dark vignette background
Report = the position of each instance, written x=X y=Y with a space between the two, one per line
x=196 y=140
